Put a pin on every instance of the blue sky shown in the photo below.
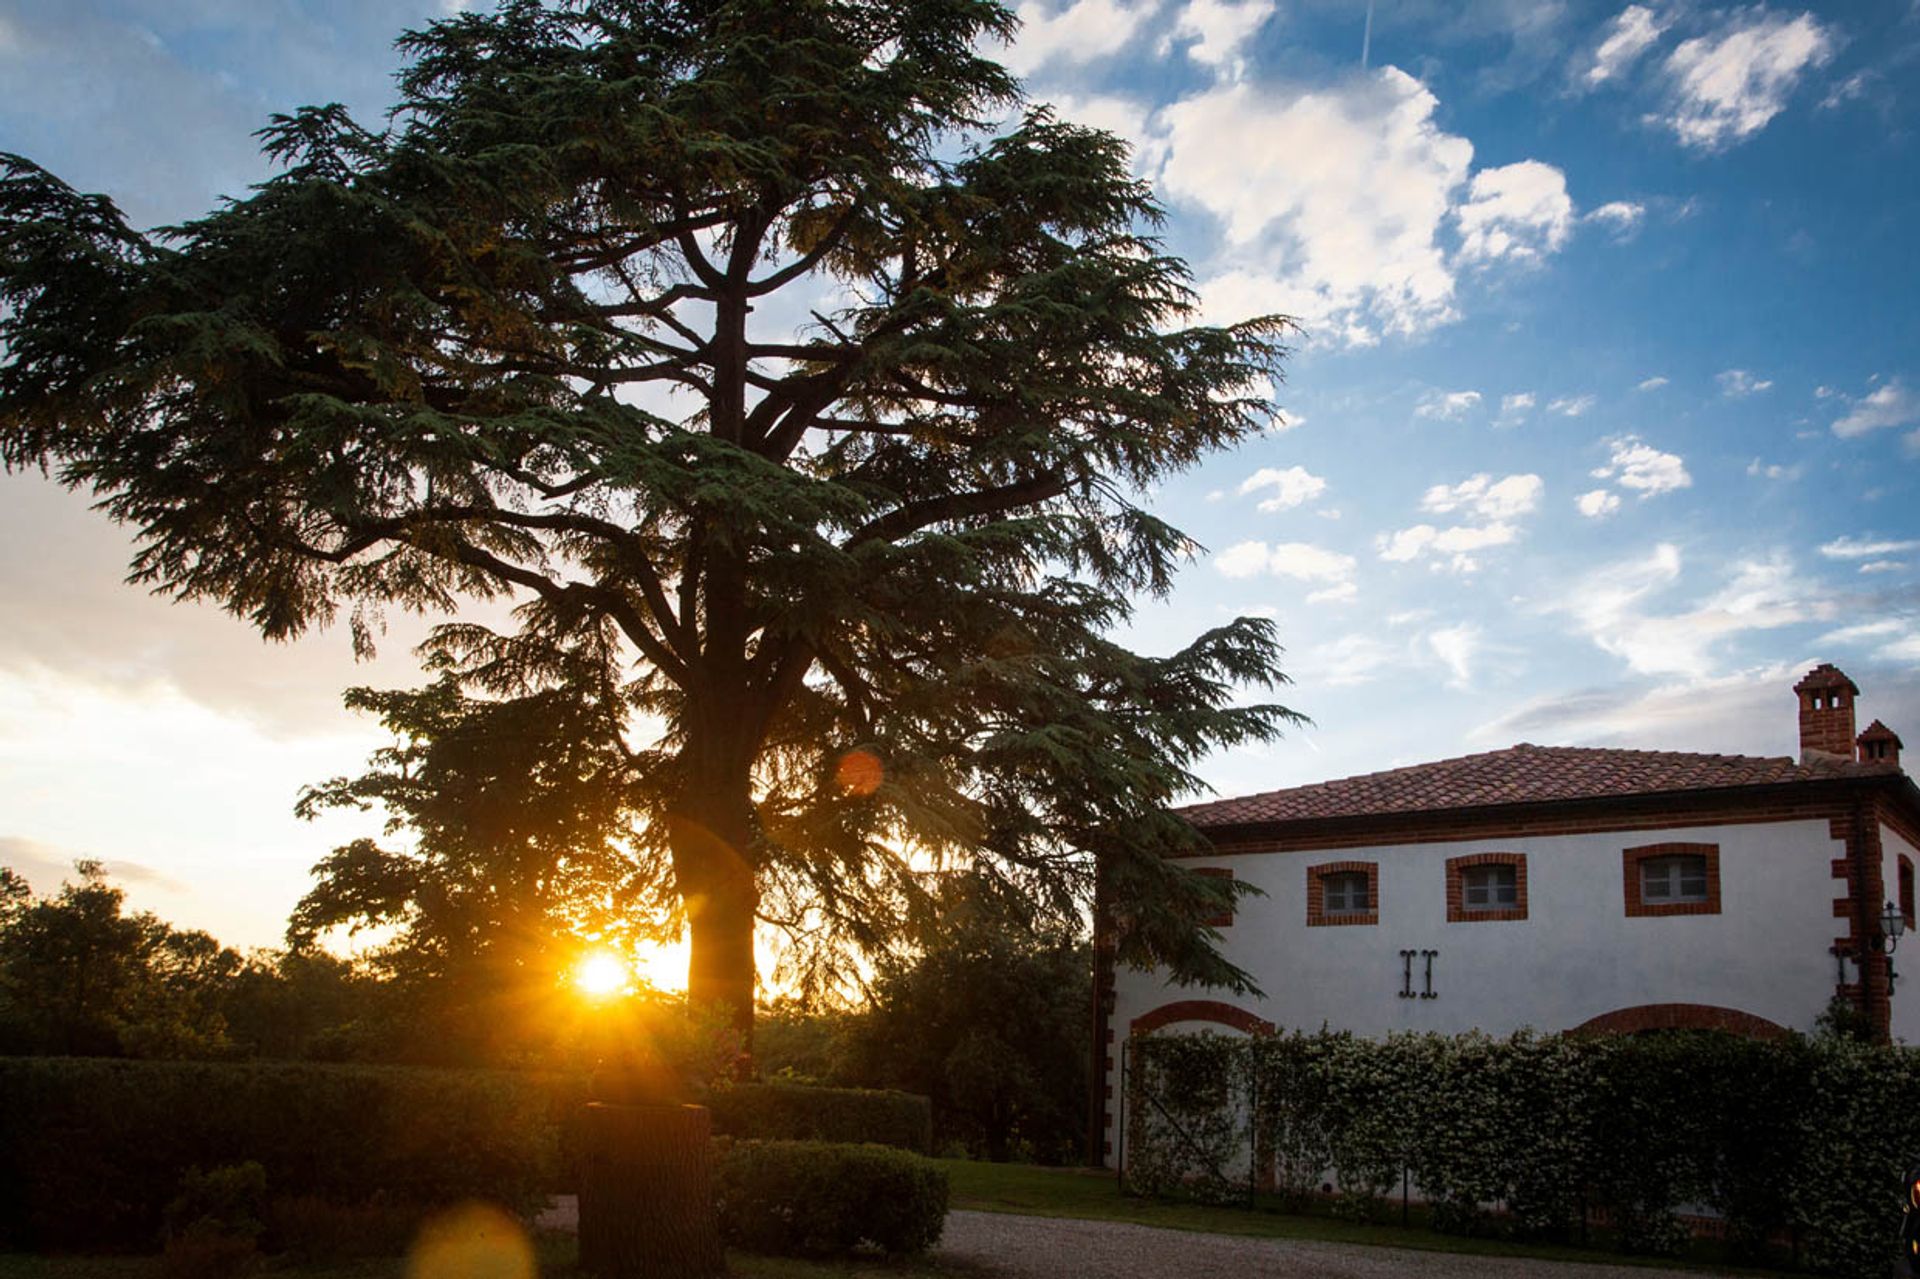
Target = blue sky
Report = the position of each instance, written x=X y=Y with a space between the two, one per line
x=1603 y=424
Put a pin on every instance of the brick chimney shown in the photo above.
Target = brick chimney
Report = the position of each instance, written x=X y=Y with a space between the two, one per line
x=1826 y=714
x=1879 y=745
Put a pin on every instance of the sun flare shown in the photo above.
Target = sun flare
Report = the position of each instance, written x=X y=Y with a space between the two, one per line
x=602 y=974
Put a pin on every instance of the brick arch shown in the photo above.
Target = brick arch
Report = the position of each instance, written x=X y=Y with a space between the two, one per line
x=1201 y=1010
x=1644 y=1017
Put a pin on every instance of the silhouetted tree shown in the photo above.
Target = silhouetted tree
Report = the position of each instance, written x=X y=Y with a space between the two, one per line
x=854 y=576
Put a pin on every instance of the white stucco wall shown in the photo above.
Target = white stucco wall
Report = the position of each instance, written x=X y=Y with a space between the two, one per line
x=1577 y=954
x=1906 y=956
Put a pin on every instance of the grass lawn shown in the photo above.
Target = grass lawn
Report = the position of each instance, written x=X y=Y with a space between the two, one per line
x=1013 y=1188
x=556 y=1255
x=1078 y=1192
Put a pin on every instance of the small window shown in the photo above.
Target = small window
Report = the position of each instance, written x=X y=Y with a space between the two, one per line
x=1346 y=893
x=1670 y=881
x=1906 y=888
x=1489 y=887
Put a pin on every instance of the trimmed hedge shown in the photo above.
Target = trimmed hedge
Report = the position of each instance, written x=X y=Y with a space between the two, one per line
x=802 y=1112
x=92 y=1151
x=1798 y=1139
x=817 y=1199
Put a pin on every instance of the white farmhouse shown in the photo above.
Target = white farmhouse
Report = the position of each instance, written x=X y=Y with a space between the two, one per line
x=1559 y=888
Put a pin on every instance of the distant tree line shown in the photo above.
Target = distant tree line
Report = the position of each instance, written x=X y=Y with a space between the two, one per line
x=985 y=1013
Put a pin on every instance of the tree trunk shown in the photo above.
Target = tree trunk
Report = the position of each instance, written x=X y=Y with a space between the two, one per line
x=646 y=1194
x=713 y=864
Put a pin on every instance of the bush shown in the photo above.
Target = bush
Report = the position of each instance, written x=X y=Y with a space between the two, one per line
x=230 y=1200
x=1796 y=1137
x=814 y=1198
x=91 y=1151
x=800 y=1112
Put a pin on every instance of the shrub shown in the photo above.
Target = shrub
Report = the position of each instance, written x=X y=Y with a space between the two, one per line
x=230 y=1200
x=1808 y=1137
x=799 y=1112
x=91 y=1151
x=812 y=1198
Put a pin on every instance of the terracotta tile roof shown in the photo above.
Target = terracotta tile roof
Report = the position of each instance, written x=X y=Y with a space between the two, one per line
x=1523 y=774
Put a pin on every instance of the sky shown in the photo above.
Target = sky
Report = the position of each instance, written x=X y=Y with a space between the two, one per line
x=1602 y=424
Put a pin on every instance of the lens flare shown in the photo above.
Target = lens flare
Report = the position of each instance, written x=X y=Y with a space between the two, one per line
x=473 y=1241
x=859 y=772
x=602 y=974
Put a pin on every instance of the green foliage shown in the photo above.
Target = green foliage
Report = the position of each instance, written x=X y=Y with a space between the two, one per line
x=78 y=974
x=798 y=1112
x=230 y=1199
x=502 y=347
x=513 y=869
x=91 y=1150
x=813 y=1199
x=987 y=1015
x=1521 y=1135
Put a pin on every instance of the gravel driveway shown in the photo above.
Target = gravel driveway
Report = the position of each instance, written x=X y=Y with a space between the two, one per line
x=1065 y=1248
x=1004 y=1246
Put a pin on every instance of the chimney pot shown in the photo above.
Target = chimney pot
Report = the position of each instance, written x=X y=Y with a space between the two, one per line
x=1826 y=714
x=1879 y=745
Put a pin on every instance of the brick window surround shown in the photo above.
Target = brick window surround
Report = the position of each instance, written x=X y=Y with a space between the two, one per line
x=1225 y=918
x=1317 y=916
x=1630 y=860
x=1457 y=911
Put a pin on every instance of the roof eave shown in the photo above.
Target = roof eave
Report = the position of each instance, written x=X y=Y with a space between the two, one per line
x=1901 y=789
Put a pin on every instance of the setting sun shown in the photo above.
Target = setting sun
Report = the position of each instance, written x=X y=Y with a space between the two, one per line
x=602 y=973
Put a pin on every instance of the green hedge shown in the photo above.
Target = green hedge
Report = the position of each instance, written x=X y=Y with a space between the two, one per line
x=1801 y=1140
x=92 y=1151
x=815 y=1198
x=801 y=1112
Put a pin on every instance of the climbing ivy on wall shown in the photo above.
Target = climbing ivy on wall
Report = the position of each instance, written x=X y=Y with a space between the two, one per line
x=1798 y=1143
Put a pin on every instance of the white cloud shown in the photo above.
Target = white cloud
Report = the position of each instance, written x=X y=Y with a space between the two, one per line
x=1291 y=487
x=1622 y=217
x=1351 y=659
x=1452 y=548
x=1726 y=87
x=1446 y=405
x=1344 y=593
x=1849 y=548
x=1772 y=470
x=1243 y=559
x=1335 y=217
x=1486 y=497
x=1854 y=86
x=1652 y=384
x=1631 y=33
x=1641 y=467
x=1613 y=608
x=1219 y=29
x=1082 y=32
x=1572 y=405
x=1298 y=560
x=1738 y=383
x=1737 y=714
x=1881 y=629
x=1597 y=504
x=1456 y=647
x=1517 y=405
x=1883 y=566
x=1519 y=211
x=1889 y=404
